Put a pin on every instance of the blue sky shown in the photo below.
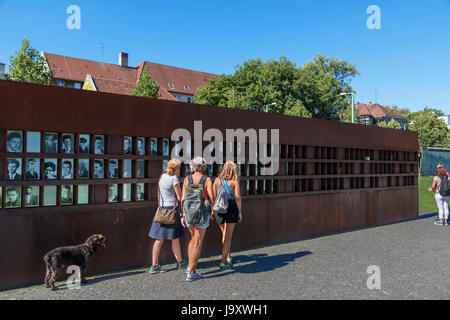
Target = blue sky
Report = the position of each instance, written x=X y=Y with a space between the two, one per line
x=406 y=62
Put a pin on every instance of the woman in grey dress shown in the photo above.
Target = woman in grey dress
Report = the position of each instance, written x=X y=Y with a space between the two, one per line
x=170 y=196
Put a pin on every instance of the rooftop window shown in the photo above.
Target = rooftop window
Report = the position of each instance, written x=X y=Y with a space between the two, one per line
x=171 y=86
x=186 y=87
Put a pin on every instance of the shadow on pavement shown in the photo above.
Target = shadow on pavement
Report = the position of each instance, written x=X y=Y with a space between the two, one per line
x=260 y=262
x=103 y=278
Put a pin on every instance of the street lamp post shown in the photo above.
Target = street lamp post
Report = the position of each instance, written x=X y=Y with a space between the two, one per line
x=353 y=105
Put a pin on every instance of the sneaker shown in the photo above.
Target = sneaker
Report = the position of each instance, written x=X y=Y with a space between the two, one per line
x=156 y=269
x=181 y=266
x=438 y=223
x=193 y=277
x=229 y=260
x=446 y=223
x=187 y=270
x=226 y=265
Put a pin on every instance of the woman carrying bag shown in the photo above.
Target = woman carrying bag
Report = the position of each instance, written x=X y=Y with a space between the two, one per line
x=167 y=222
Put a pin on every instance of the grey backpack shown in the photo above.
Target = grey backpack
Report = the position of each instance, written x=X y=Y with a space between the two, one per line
x=194 y=202
x=221 y=202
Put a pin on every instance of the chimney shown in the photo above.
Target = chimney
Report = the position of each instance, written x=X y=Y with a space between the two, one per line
x=123 y=59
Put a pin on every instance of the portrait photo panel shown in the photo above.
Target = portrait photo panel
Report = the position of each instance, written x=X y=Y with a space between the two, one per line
x=51 y=142
x=32 y=196
x=67 y=169
x=83 y=168
x=50 y=169
x=14 y=141
x=33 y=168
x=66 y=194
x=68 y=142
x=84 y=143
x=13 y=197
x=13 y=169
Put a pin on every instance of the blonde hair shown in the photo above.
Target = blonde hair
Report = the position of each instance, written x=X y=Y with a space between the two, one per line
x=173 y=165
x=229 y=171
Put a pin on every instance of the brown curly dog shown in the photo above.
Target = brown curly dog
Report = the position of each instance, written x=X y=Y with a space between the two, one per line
x=59 y=258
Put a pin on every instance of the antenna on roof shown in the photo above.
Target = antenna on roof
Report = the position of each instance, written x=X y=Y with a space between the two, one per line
x=102 y=45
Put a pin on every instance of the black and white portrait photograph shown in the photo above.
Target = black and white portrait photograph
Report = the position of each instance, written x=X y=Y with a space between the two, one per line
x=113 y=193
x=67 y=169
x=154 y=146
x=126 y=192
x=33 y=169
x=14 y=143
x=113 y=168
x=166 y=147
x=49 y=195
x=141 y=168
x=127 y=145
x=127 y=168
x=33 y=141
x=141 y=146
x=99 y=169
x=13 y=197
x=140 y=192
x=32 y=196
x=66 y=194
x=68 y=143
x=83 y=169
x=14 y=169
x=83 y=194
x=51 y=142
x=99 y=144
x=84 y=143
x=50 y=168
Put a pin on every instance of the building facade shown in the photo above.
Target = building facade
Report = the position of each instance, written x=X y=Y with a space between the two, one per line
x=177 y=84
x=373 y=114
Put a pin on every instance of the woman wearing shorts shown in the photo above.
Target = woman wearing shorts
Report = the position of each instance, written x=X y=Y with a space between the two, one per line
x=198 y=165
x=229 y=177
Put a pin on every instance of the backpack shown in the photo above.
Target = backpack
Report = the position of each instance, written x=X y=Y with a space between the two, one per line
x=194 y=202
x=221 y=202
x=444 y=187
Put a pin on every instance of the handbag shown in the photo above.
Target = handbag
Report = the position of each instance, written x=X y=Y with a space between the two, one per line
x=163 y=215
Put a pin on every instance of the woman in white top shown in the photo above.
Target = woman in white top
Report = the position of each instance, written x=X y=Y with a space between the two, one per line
x=442 y=202
x=170 y=196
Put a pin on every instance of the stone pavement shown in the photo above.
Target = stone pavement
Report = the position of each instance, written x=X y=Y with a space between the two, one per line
x=413 y=257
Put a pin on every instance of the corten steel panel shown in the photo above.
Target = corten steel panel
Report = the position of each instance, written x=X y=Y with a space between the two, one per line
x=27 y=234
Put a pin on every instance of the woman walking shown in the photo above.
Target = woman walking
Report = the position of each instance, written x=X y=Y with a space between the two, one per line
x=169 y=196
x=229 y=179
x=198 y=165
x=442 y=202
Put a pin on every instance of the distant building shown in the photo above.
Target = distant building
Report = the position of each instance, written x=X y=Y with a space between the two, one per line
x=373 y=114
x=175 y=83
x=2 y=71
x=446 y=120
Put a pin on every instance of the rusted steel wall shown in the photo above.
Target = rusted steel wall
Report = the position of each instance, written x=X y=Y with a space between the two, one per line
x=325 y=184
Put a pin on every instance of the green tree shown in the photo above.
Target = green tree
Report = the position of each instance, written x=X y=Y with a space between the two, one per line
x=432 y=131
x=282 y=87
x=27 y=65
x=146 y=87
x=391 y=124
x=401 y=111
x=320 y=84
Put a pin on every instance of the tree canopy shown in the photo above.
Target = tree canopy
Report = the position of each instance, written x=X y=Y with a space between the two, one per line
x=391 y=124
x=432 y=131
x=312 y=90
x=27 y=65
x=146 y=87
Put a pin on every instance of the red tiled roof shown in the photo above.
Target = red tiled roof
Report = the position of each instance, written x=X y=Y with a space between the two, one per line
x=179 y=77
x=76 y=69
x=375 y=110
x=116 y=79
x=124 y=87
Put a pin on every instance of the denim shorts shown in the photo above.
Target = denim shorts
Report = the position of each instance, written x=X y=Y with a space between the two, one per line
x=200 y=226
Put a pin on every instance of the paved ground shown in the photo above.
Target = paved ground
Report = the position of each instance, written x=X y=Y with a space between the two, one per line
x=413 y=256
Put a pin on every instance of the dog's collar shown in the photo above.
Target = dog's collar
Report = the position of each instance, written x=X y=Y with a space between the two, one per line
x=89 y=248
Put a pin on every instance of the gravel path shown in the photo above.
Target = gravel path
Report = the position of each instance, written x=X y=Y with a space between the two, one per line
x=413 y=257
